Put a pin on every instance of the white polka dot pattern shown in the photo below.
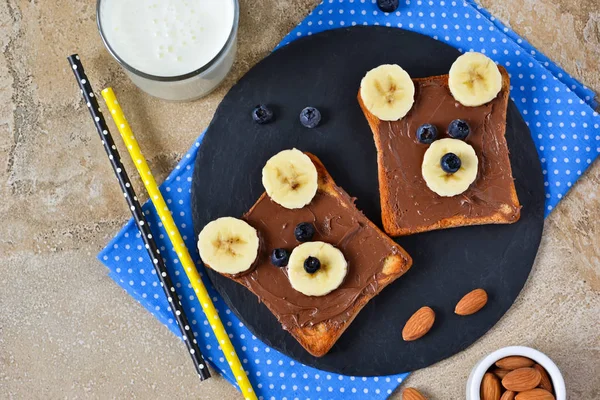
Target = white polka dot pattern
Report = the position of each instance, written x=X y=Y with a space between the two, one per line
x=557 y=108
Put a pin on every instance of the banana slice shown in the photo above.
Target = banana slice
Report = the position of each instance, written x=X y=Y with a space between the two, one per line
x=449 y=184
x=474 y=79
x=387 y=92
x=228 y=245
x=331 y=271
x=290 y=179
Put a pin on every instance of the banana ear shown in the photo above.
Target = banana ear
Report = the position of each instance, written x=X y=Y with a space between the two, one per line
x=387 y=92
x=474 y=79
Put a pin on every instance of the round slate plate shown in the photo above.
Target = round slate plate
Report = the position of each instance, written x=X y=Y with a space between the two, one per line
x=324 y=71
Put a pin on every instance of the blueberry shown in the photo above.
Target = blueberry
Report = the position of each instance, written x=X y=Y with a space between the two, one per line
x=427 y=133
x=312 y=265
x=450 y=163
x=304 y=231
x=387 y=5
x=262 y=114
x=459 y=129
x=310 y=117
x=280 y=257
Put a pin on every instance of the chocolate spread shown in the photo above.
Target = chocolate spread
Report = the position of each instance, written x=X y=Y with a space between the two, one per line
x=411 y=202
x=337 y=222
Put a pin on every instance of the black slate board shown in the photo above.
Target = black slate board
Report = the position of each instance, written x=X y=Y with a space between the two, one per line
x=324 y=71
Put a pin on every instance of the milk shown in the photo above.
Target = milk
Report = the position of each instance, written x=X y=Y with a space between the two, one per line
x=170 y=38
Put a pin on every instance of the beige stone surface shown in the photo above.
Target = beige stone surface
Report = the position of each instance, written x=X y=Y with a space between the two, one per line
x=67 y=331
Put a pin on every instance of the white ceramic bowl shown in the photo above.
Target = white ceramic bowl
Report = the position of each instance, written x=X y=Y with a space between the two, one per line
x=474 y=381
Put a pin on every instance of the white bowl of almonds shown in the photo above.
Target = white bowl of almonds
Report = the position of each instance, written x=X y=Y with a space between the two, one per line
x=516 y=373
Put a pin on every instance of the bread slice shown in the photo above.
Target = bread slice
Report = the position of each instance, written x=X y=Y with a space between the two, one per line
x=374 y=261
x=408 y=206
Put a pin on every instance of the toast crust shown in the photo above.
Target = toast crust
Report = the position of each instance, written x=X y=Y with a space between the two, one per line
x=505 y=213
x=319 y=338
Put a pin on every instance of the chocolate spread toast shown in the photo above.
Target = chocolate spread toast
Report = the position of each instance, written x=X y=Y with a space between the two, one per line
x=374 y=261
x=408 y=206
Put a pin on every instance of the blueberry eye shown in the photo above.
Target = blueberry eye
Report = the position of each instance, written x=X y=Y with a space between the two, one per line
x=280 y=257
x=459 y=129
x=304 y=231
x=427 y=133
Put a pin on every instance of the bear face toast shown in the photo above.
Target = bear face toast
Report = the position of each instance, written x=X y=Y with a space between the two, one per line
x=314 y=301
x=422 y=186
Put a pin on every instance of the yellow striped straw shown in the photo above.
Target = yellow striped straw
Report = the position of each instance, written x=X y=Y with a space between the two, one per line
x=178 y=244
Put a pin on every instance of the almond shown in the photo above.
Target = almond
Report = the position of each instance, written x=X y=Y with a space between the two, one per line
x=522 y=379
x=545 y=383
x=490 y=387
x=500 y=373
x=419 y=324
x=535 y=394
x=412 y=394
x=508 y=395
x=471 y=302
x=514 y=362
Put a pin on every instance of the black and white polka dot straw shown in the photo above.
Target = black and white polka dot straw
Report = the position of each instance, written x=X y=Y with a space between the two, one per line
x=138 y=215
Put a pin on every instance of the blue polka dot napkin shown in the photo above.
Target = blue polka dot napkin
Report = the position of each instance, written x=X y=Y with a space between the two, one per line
x=558 y=109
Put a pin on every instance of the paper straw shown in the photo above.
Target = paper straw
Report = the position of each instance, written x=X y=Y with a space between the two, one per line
x=138 y=216
x=178 y=243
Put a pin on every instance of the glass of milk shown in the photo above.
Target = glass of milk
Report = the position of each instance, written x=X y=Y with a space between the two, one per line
x=177 y=50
